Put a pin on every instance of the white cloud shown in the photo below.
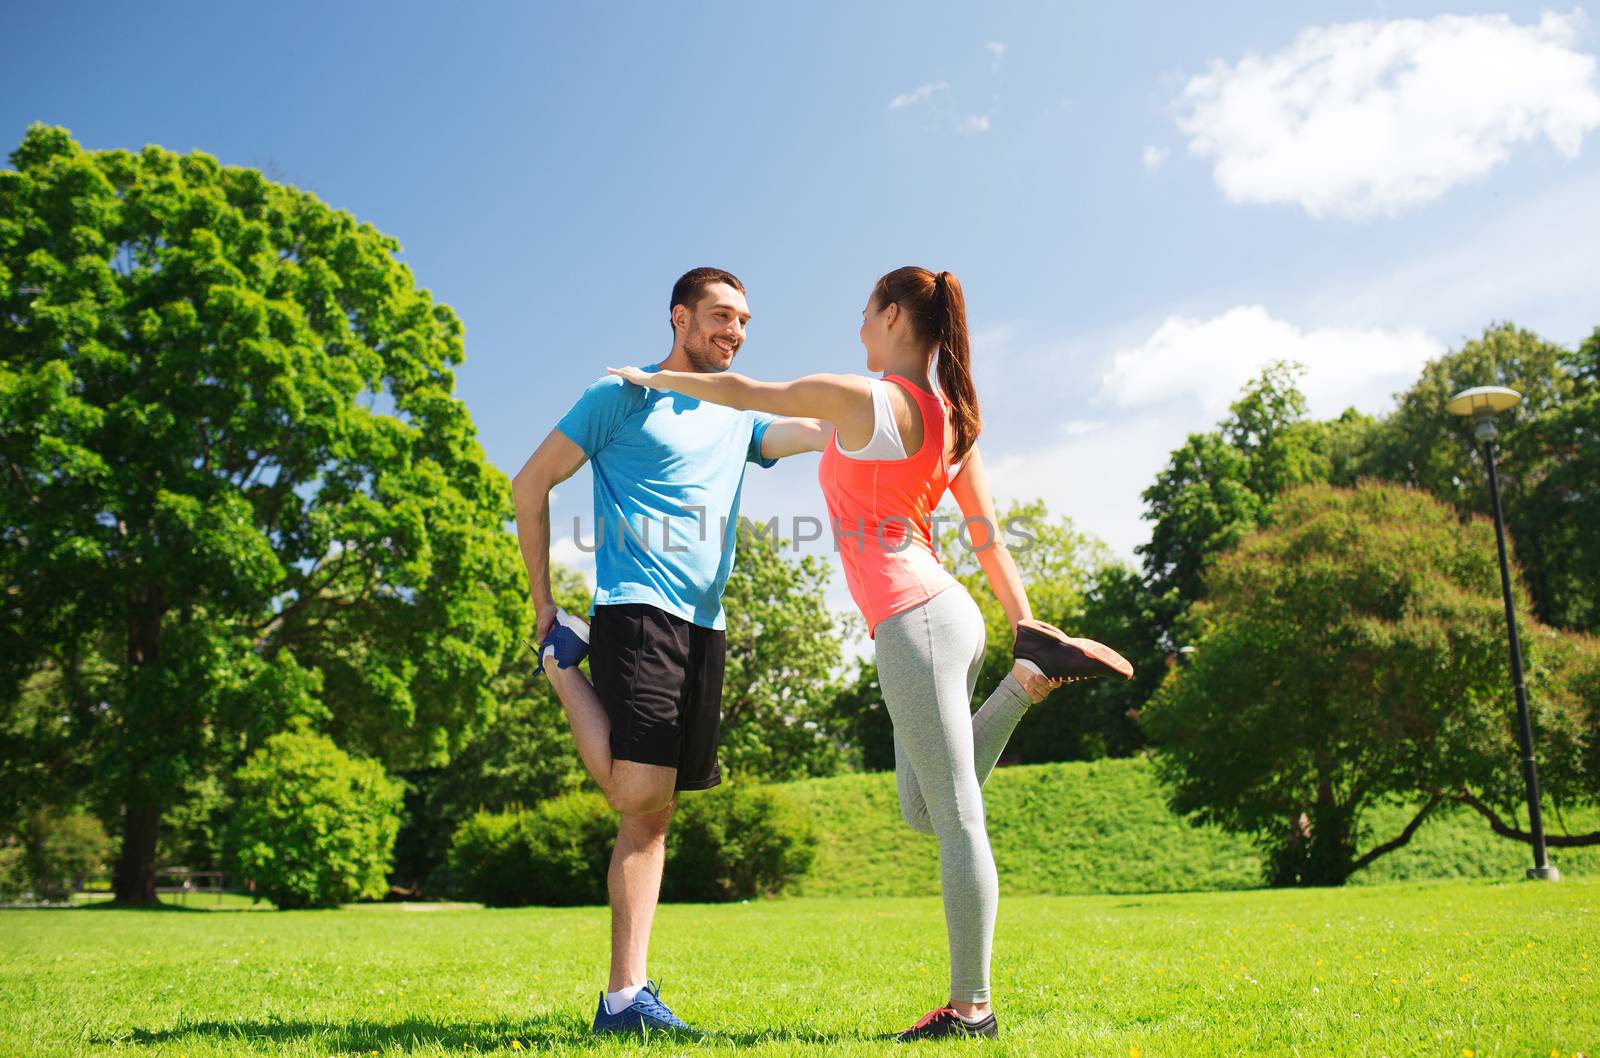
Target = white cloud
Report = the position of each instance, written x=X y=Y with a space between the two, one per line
x=918 y=95
x=1367 y=118
x=998 y=50
x=975 y=123
x=1154 y=157
x=1206 y=362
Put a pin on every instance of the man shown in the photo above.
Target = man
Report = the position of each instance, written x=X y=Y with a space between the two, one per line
x=667 y=471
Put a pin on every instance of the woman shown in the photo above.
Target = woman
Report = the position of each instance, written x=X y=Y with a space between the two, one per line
x=898 y=444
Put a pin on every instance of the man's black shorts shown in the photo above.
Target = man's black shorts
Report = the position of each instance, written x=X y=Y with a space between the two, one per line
x=660 y=680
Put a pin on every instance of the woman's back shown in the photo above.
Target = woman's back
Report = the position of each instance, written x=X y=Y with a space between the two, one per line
x=881 y=511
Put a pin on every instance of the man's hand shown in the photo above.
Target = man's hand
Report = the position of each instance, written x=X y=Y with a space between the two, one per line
x=638 y=376
x=546 y=610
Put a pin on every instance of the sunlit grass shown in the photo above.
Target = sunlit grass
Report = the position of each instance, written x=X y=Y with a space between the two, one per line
x=1450 y=969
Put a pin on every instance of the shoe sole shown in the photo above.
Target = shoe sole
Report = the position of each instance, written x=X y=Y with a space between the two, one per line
x=1098 y=652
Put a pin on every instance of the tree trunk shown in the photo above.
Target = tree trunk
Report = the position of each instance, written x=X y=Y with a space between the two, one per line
x=134 y=878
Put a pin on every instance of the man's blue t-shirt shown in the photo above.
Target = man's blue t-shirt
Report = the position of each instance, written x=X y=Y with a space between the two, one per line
x=668 y=470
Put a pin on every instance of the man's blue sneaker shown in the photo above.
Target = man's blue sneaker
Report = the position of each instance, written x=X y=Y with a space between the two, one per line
x=568 y=637
x=647 y=1014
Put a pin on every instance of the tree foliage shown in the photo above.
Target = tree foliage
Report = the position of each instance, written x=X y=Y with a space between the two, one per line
x=1540 y=450
x=237 y=486
x=1219 y=486
x=1558 y=518
x=783 y=643
x=1354 y=652
x=1060 y=566
x=526 y=755
x=863 y=720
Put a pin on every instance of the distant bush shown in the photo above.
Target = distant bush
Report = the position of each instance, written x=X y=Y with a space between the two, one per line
x=65 y=849
x=52 y=853
x=13 y=873
x=738 y=841
x=314 y=827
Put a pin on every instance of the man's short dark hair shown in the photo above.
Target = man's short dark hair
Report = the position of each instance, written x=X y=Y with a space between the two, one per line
x=691 y=287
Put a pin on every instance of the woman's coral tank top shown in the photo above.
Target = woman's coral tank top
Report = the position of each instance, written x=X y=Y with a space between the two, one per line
x=880 y=510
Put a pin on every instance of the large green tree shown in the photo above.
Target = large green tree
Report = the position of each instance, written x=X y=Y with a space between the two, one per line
x=237 y=485
x=1355 y=652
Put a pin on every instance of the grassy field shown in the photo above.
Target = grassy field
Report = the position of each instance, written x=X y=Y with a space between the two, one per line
x=1103 y=827
x=1457 y=970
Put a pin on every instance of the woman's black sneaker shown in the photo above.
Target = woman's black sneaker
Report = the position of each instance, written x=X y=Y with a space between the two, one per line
x=937 y=1024
x=1060 y=656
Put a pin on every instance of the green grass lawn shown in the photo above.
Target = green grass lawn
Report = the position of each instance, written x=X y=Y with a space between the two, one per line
x=1453 y=969
x=1103 y=827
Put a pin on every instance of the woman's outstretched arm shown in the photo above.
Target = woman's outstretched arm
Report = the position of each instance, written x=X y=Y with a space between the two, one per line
x=791 y=436
x=971 y=490
x=844 y=400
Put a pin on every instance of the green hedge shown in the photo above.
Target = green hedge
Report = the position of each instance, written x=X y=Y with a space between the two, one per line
x=555 y=853
x=736 y=841
x=1103 y=827
x=740 y=840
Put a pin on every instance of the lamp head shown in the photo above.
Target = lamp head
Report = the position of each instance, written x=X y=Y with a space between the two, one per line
x=1482 y=402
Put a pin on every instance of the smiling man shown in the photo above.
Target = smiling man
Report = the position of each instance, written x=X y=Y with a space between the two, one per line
x=667 y=471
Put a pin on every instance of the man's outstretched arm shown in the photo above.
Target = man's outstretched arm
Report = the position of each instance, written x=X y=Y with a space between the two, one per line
x=556 y=460
x=787 y=437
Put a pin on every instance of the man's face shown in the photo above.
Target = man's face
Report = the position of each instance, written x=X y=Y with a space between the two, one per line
x=715 y=328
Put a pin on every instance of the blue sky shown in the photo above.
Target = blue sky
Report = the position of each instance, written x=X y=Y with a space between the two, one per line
x=1144 y=201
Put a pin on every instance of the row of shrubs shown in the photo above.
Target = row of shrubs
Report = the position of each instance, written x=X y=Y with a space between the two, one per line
x=315 y=827
x=738 y=841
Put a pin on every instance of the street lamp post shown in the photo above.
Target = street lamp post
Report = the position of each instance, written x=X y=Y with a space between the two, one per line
x=1481 y=403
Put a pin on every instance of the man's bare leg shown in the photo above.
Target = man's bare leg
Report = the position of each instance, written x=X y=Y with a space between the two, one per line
x=591 y=727
x=634 y=885
x=643 y=794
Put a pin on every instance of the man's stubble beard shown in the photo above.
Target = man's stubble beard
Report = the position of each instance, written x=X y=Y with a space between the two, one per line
x=705 y=357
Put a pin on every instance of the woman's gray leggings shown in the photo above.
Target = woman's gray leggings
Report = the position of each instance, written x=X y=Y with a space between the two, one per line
x=928 y=660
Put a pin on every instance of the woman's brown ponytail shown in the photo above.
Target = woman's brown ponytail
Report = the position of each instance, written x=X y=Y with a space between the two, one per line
x=938 y=313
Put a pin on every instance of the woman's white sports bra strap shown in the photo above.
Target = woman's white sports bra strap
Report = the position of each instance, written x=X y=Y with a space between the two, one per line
x=885 y=442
